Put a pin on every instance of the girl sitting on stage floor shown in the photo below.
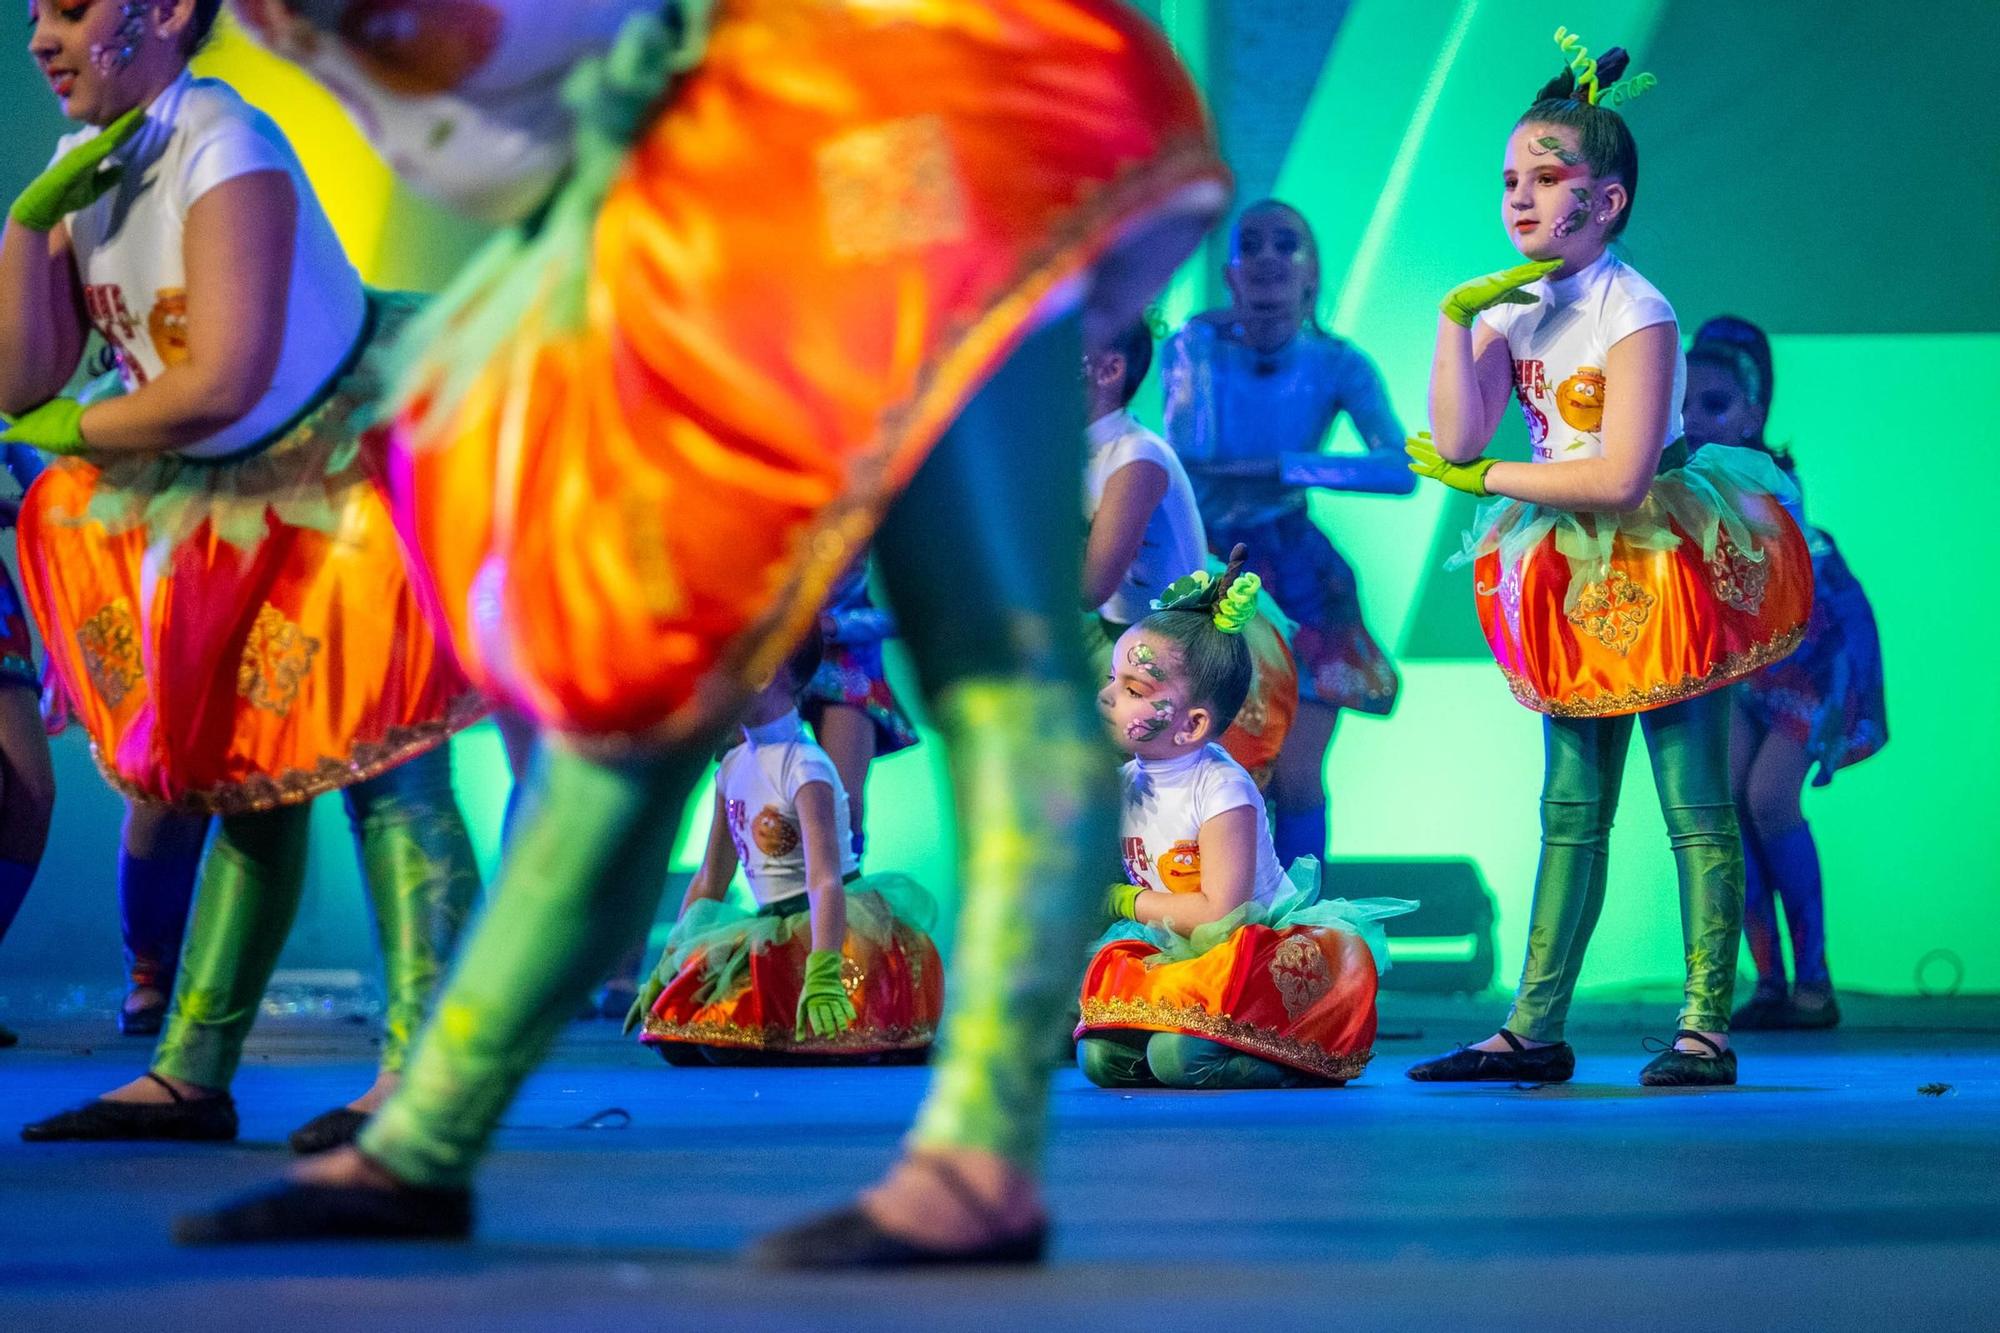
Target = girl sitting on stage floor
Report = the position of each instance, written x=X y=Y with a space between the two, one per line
x=1222 y=971
x=827 y=964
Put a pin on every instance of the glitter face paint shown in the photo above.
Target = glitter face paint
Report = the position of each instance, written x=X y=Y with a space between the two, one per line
x=1142 y=656
x=1572 y=221
x=114 y=56
x=1548 y=144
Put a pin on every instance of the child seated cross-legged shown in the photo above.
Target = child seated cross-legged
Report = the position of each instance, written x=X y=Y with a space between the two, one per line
x=826 y=965
x=1222 y=971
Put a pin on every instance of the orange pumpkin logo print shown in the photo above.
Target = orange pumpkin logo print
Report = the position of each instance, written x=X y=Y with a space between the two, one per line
x=774 y=834
x=1580 y=398
x=1180 y=868
x=167 y=323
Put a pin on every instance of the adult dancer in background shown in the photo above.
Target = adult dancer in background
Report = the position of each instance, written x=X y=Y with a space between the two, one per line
x=1252 y=392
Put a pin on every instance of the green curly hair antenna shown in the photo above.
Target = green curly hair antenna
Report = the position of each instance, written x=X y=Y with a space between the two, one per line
x=1232 y=597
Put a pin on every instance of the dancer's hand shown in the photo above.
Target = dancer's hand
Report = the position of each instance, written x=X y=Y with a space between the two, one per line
x=76 y=179
x=642 y=1003
x=1119 y=900
x=56 y=427
x=1425 y=461
x=1462 y=304
x=824 y=1009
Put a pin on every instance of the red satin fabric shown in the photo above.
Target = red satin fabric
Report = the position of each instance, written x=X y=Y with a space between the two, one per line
x=838 y=225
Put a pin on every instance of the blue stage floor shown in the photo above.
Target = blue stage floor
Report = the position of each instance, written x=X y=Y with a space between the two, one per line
x=1826 y=1192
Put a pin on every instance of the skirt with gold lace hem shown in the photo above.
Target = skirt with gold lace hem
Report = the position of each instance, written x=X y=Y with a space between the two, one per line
x=242 y=633
x=833 y=230
x=732 y=976
x=1596 y=615
x=1293 y=982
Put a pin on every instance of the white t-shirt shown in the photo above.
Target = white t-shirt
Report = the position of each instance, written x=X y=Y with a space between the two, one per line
x=759 y=781
x=198 y=134
x=1561 y=345
x=462 y=101
x=1167 y=802
x=1174 y=545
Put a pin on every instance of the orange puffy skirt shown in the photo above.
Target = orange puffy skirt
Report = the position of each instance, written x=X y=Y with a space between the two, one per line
x=832 y=231
x=1594 y=615
x=733 y=978
x=1295 y=983
x=241 y=634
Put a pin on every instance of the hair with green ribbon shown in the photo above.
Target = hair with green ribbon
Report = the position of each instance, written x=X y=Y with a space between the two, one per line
x=1203 y=616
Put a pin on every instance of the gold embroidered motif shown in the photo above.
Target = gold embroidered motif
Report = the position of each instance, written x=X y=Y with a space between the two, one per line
x=1737 y=577
x=856 y=1040
x=891 y=188
x=276 y=659
x=1230 y=1032
x=109 y=642
x=1299 y=971
x=1613 y=611
x=850 y=978
x=1730 y=668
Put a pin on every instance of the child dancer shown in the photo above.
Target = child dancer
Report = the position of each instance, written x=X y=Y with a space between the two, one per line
x=853 y=712
x=1146 y=531
x=27 y=772
x=1821 y=706
x=829 y=964
x=1223 y=972
x=852 y=240
x=212 y=563
x=1616 y=577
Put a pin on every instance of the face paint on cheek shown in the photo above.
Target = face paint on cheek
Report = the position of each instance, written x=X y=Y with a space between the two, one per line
x=114 y=56
x=1573 y=221
x=1150 y=728
x=1141 y=656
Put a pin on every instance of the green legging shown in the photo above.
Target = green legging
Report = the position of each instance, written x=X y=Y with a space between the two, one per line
x=1689 y=745
x=982 y=560
x=416 y=861
x=1176 y=1060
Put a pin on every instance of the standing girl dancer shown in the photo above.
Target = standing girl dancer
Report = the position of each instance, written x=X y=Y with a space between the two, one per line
x=853 y=712
x=854 y=251
x=212 y=562
x=1617 y=576
x=1252 y=392
x=1821 y=706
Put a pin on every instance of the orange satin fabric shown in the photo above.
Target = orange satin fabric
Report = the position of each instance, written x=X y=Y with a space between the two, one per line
x=838 y=225
x=223 y=681
x=1261 y=725
x=897 y=992
x=1662 y=627
x=1303 y=996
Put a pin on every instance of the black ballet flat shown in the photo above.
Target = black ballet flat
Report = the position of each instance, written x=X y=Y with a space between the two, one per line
x=8 y=1037
x=1520 y=1064
x=329 y=1129
x=1765 y=1011
x=296 y=1211
x=1684 y=1069
x=1812 y=1009
x=198 y=1120
x=850 y=1238
x=145 y=1021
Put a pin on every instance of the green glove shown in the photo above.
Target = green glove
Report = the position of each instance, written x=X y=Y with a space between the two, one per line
x=1425 y=461
x=642 y=1003
x=824 y=1009
x=56 y=427
x=1119 y=900
x=74 y=181
x=1462 y=304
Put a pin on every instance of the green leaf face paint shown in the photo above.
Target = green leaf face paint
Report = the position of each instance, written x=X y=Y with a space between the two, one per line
x=1152 y=728
x=1141 y=655
x=1548 y=144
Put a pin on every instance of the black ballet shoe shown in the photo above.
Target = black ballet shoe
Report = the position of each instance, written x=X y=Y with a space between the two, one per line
x=1812 y=1008
x=145 y=1021
x=184 y=1119
x=1673 y=1068
x=1520 y=1064
x=295 y=1211
x=9 y=1037
x=328 y=1129
x=850 y=1238
x=1766 y=1011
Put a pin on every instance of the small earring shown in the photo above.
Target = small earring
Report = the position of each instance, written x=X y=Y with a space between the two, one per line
x=1604 y=217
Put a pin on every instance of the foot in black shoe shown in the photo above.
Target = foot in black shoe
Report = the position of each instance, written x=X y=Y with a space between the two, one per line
x=294 y=1210
x=329 y=1129
x=850 y=1238
x=1520 y=1063
x=8 y=1037
x=1813 y=1007
x=1766 y=1011
x=145 y=1019
x=1673 y=1068
x=184 y=1119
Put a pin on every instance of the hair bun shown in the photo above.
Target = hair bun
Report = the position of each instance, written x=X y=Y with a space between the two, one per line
x=1561 y=88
